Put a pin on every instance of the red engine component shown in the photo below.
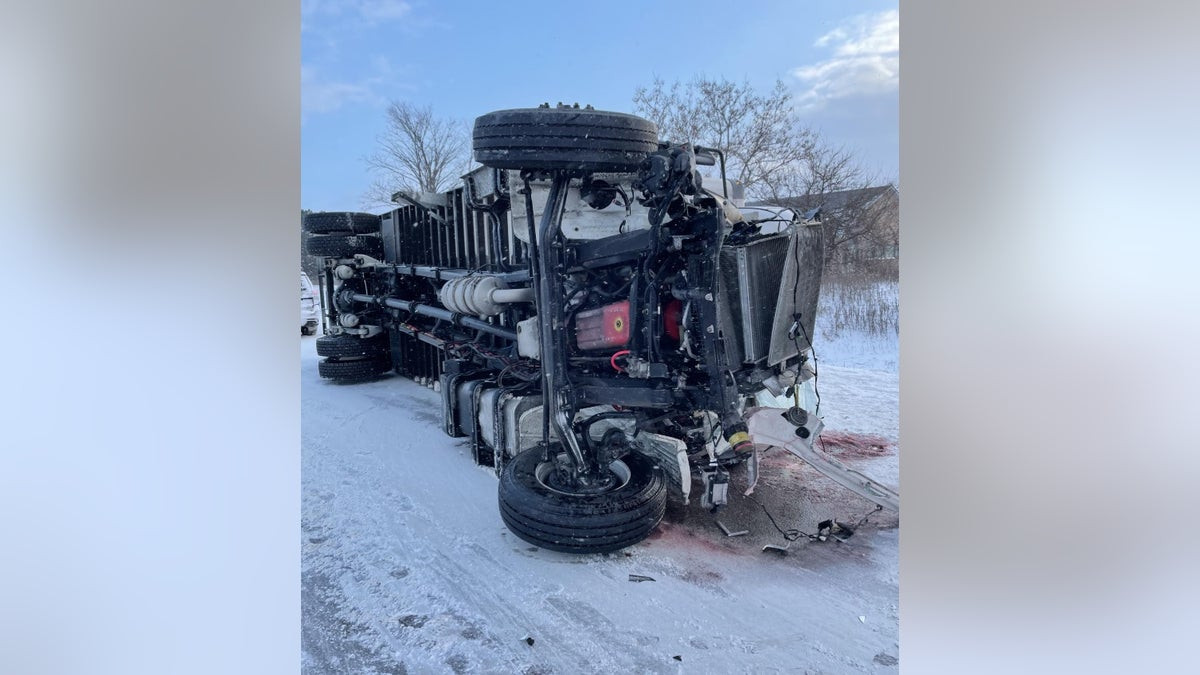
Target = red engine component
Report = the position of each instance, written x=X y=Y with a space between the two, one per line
x=672 y=317
x=603 y=327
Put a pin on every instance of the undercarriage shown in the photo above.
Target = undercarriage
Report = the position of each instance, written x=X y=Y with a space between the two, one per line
x=601 y=324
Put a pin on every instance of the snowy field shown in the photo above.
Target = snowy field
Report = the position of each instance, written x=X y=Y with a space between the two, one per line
x=858 y=322
x=407 y=567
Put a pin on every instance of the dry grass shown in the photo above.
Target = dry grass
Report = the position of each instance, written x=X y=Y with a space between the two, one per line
x=863 y=301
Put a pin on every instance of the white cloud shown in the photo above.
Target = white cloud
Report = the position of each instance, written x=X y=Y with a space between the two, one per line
x=370 y=12
x=383 y=10
x=865 y=60
x=321 y=93
x=318 y=95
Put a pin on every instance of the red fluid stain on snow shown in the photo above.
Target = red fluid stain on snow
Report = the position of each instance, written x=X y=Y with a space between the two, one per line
x=674 y=536
x=849 y=444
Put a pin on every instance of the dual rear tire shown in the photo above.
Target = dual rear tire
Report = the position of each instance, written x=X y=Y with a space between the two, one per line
x=343 y=246
x=351 y=346
x=341 y=222
x=342 y=234
x=349 y=358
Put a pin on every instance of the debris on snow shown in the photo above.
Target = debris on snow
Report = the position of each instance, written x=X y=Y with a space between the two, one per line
x=731 y=534
x=413 y=620
x=639 y=577
x=776 y=548
x=832 y=528
x=442 y=530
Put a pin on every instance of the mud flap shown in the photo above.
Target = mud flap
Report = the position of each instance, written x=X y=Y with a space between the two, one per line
x=671 y=454
x=770 y=426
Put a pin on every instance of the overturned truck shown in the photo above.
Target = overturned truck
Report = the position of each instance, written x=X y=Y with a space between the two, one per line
x=600 y=323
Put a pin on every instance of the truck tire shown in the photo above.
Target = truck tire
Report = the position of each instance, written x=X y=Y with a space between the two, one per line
x=341 y=222
x=563 y=138
x=595 y=523
x=349 y=346
x=354 y=370
x=338 y=246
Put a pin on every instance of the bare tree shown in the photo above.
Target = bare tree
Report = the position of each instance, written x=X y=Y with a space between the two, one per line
x=822 y=169
x=861 y=224
x=775 y=157
x=309 y=264
x=758 y=133
x=418 y=151
x=853 y=213
x=885 y=235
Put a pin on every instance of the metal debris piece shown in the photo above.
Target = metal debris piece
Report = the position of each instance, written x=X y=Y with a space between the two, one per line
x=862 y=619
x=731 y=534
x=639 y=577
x=677 y=657
x=751 y=471
x=776 y=548
x=716 y=489
x=528 y=640
x=832 y=528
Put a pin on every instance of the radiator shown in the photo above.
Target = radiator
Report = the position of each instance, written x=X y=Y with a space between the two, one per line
x=760 y=293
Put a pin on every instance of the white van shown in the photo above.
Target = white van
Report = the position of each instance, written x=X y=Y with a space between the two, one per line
x=309 y=318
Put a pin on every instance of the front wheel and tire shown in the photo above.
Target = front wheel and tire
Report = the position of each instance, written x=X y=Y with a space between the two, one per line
x=553 y=518
x=563 y=138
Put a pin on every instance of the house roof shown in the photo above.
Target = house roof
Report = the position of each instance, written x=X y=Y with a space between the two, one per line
x=830 y=201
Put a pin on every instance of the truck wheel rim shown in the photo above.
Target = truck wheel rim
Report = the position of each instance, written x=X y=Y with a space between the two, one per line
x=546 y=477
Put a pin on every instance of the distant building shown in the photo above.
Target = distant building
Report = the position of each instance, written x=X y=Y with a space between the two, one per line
x=861 y=225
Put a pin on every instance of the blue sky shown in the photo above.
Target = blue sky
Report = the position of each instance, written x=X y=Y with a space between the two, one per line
x=840 y=59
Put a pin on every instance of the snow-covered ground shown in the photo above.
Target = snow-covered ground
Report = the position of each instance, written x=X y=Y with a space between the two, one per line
x=858 y=322
x=407 y=567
